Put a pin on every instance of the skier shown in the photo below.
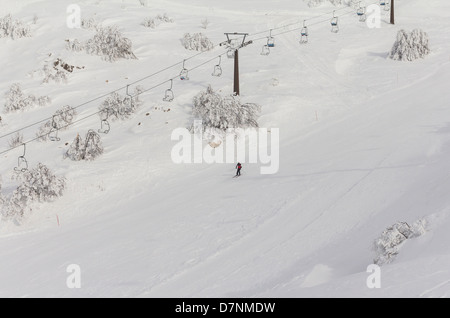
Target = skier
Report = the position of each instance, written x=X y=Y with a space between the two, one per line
x=238 y=167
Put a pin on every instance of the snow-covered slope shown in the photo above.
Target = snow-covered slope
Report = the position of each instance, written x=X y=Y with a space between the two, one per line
x=364 y=143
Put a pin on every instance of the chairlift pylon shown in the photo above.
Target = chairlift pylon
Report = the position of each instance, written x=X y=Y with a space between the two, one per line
x=168 y=95
x=22 y=163
x=217 y=68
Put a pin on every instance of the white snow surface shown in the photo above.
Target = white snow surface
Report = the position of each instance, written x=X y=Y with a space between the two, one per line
x=364 y=143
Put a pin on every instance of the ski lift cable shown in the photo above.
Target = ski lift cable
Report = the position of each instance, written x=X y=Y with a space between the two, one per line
x=105 y=95
x=299 y=22
x=153 y=87
x=299 y=28
x=102 y=110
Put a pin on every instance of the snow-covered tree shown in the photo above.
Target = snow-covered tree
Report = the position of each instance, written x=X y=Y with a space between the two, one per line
x=156 y=21
x=17 y=100
x=92 y=146
x=54 y=74
x=76 y=149
x=410 y=46
x=108 y=42
x=58 y=71
x=387 y=246
x=61 y=120
x=197 y=42
x=89 y=23
x=37 y=185
x=205 y=23
x=316 y=3
x=224 y=112
x=13 y=28
x=88 y=149
x=16 y=140
x=75 y=45
x=121 y=107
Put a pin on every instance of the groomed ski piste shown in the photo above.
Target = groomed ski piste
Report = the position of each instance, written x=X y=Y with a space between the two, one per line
x=364 y=144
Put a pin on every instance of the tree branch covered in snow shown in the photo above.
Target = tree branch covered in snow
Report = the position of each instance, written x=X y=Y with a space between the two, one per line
x=410 y=47
x=16 y=99
x=224 y=112
x=14 y=29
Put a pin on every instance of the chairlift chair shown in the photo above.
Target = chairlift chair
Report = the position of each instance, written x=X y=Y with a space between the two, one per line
x=217 y=69
x=265 y=50
x=230 y=53
x=334 y=24
x=22 y=163
x=184 y=74
x=104 y=127
x=304 y=34
x=104 y=123
x=168 y=95
x=270 y=40
x=130 y=100
x=361 y=13
x=53 y=133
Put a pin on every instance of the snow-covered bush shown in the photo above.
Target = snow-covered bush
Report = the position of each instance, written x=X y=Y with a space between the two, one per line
x=121 y=107
x=13 y=28
x=316 y=3
x=88 y=149
x=143 y=3
x=410 y=47
x=205 y=23
x=54 y=74
x=108 y=42
x=75 y=45
x=61 y=120
x=16 y=99
x=156 y=21
x=16 y=140
x=197 y=42
x=387 y=246
x=37 y=185
x=89 y=24
x=224 y=112
x=58 y=71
